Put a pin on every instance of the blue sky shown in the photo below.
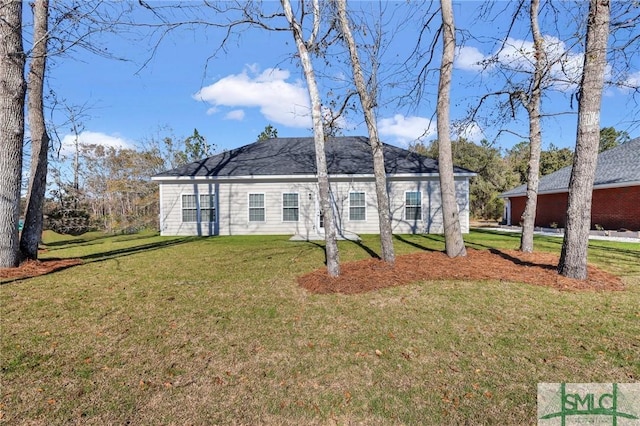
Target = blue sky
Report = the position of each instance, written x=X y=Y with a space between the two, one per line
x=231 y=97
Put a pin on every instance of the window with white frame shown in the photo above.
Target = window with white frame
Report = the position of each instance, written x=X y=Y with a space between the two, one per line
x=207 y=208
x=189 y=208
x=413 y=205
x=204 y=211
x=290 y=207
x=357 y=206
x=256 y=208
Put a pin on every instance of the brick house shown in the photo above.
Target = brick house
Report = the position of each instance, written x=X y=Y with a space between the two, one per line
x=616 y=193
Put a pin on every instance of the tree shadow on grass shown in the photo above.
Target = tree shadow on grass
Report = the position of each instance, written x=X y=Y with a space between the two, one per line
x=515 y=235
x=29 y=271
x=406 y=241
x=127 y=251
x=617 y=250
x=79 y=241
x=520 y=262
x=626 y=255
x=89 y=241
x=319 y=246
x=364 y=247
x=371 y=252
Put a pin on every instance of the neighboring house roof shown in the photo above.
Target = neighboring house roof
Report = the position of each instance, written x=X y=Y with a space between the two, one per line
x=617 y=167
x=349 y=155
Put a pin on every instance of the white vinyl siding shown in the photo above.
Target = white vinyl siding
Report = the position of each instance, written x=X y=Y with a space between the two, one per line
x=413 y=205
x=256 y=208
x=189 y=208
x=357 y=206
x=290 y=207
x=232 y=206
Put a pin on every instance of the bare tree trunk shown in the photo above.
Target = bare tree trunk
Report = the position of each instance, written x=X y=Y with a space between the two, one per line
x=384 y=212
x=454 y=244
x=32 y=231
x=76 y=160
x=12 y=94
x=573 y=259
x=535 y=136
x=333 y=260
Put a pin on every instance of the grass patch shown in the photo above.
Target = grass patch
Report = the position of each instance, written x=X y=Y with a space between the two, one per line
x=154 y=330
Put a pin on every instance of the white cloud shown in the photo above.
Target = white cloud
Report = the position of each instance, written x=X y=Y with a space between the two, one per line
x=632 y=81
x=519 y=56
x=280 y=101
x=407 y=129
x=93 y=138
x=566 y=71
x=236 y=114
x=469 y=59
x=516 y=54
x=472 y=132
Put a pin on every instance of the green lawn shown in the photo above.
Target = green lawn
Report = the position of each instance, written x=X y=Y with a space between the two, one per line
x=154 y=330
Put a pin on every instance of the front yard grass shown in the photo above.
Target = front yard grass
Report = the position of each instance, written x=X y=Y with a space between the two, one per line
x=154 y=330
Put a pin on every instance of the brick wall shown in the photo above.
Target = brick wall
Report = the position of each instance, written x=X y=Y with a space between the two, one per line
x=613 y=209
x=617 y=208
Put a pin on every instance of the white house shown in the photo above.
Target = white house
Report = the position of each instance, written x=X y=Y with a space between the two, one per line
x=270 y=187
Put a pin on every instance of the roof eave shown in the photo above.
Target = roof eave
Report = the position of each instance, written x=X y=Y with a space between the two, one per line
x=297 y=177
x=563 y=190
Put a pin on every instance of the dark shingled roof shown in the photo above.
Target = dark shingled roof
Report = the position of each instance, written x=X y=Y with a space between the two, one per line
x=616 y=166
x=349 y=155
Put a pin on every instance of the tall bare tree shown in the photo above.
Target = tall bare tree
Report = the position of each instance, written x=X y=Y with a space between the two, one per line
x=573 y=258
x=532 y=105
x=454 y=244
x=368 y=101
x=12 y=96
x=32 y=231
x=304 y=47
x=527 y=75
x=237 y=16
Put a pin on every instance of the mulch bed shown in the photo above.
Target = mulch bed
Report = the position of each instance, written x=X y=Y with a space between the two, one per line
x=505 y=265
x=33 y=268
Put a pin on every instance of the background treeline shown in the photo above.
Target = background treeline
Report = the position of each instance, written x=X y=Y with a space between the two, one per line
x=110 y=189
x=499 y=170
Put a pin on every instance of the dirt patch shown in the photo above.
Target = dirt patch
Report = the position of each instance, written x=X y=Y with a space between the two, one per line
x=34 y=268
x=506 y=265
